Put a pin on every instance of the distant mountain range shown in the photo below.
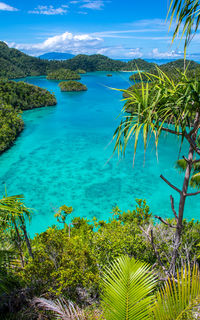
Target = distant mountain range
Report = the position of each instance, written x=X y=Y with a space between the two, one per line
x=56 y=56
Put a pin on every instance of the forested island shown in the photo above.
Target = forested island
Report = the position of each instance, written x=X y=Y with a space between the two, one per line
x=72 y=86
x=63 y=74
x=15 y=97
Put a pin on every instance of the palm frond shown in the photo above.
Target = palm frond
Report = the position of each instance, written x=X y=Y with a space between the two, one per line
x=62 y=309
x=176 y=300
x=128 y=290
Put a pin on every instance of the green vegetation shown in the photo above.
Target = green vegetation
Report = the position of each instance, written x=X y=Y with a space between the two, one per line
x=63 y=74
x=70 y=261
x=154 y=108
x=14 y=97
x=80 y=71
x=11 y=124
x=24 y=96
x=15 y=64
x=72 y=86
x=172 y=69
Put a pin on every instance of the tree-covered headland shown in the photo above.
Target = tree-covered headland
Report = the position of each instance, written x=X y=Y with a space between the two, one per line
x=14 y=98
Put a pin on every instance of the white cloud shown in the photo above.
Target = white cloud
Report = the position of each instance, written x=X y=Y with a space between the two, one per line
x=135 y=53
x=49 y=10
x=165 y=55
x=6 y=7
x=93 y=4
x=66 y=42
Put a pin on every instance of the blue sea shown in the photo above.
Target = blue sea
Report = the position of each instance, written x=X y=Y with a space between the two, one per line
x=65 y=156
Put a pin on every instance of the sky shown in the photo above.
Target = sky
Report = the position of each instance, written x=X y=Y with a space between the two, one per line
x=116 y=28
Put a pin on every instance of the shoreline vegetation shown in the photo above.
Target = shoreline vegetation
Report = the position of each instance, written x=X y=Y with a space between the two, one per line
x=16 y=97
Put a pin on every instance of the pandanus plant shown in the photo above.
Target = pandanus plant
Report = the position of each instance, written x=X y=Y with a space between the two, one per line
x=13 y=216
x=163 y=105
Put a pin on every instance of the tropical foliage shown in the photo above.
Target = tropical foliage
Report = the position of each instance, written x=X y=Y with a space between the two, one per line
x=127 y=290
x=11 y=124
x=14 y=97
x=24 y=96
x=72 y=86
x=187 y=15
x=63 y=74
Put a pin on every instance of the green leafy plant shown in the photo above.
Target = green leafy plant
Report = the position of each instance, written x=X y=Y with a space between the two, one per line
x=128 y=287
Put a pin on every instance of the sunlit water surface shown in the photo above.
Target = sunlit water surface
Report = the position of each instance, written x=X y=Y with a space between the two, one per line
x=62 y=157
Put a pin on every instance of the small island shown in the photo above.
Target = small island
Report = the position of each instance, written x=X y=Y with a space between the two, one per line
x=71 y=86
x=80 y=71
x=109 y=75
x=63 y=74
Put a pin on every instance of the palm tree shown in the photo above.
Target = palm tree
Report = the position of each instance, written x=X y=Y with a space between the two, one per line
x=12 y=217
x=173 y=108
x=128 y=287
x=128 y=293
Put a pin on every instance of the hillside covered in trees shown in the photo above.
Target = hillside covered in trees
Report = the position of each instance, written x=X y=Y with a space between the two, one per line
x=15 y=97
x=171 y=68
x=24 y=96
x=15 y=64
x=63 y=74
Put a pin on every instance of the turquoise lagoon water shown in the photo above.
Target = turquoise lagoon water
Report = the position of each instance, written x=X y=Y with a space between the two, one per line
x=62 y=157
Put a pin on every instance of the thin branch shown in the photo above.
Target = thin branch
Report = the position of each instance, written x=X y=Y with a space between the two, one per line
x=165 y=222
x=157 y=253
x=192 y=143
x=195 y=161
x=187 y=160
x=172 y=131
x=172 y=206
x=195 y=129
x=151 y=240
x=170 y=184
x=192 y=194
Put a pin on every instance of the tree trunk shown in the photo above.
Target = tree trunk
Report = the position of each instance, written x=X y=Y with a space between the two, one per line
x=179 y=226
x=27 y=239
x=19 y=244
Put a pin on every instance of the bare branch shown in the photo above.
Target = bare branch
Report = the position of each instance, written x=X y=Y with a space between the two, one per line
x=195 y=161
x=157 y=254
x=192 y=143
x=170 y=184
x=165 y=222
x=192 y=194
x=172 y=131
x=172 y=206
x=151 y=240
